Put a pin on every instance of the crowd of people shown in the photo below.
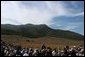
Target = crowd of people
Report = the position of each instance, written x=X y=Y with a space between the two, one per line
x=14 y=50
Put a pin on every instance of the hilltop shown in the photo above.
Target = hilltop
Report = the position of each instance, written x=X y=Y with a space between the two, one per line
x=36 y=31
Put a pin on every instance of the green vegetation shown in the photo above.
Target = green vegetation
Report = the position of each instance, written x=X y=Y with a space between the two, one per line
x=35 y=31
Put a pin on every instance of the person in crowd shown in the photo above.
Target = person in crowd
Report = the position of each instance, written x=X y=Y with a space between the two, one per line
x=30 y=51
x=54 y=52
x=48 y=52
x=16 y=50
x=36 y=52
x=25 y=53
x=66 y=51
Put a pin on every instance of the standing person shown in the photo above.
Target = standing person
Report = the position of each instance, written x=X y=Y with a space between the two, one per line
x=73 y=53
x=42 y=52
x=54 y=52
x=30 y=51
x=36 y=52
x=48 y=52
x=26 y=54
x=18 y=52
x=66 y=51
x=43 y=46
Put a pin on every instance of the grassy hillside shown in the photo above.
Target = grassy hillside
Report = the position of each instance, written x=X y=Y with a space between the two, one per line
x=36 y=31
x=36 y=42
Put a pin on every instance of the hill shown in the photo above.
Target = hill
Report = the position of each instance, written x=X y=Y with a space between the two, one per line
x=36 y=31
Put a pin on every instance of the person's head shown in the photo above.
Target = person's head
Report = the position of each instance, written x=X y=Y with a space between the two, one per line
x=54 y=49
x=67 y=47
x=30 y=49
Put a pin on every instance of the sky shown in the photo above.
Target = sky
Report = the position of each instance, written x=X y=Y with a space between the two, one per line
x=65 y=15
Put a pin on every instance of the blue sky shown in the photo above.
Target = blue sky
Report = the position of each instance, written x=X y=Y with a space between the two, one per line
x=65 y=15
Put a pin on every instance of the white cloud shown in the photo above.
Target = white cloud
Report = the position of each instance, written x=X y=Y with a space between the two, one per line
x=12 y=10
x=15 y=10
x=71 y=26
x=58 y=8
x=79 y=14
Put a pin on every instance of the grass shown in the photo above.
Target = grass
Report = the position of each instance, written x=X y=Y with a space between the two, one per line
x=36 y=42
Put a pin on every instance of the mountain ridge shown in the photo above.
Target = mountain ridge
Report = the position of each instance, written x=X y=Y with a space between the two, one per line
x=34 y=31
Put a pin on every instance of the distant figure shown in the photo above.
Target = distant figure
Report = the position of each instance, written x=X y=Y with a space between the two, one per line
x=30 y=51
x=36 y=52
x=42 y=52
x=66 y=51
x=26 y=54
x=43 y=46
x=73 y=51
x=54 y=52
x=48 y=52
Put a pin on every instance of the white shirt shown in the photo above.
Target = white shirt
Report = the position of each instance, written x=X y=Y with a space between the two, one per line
x=53 y=53
x=25 y=54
